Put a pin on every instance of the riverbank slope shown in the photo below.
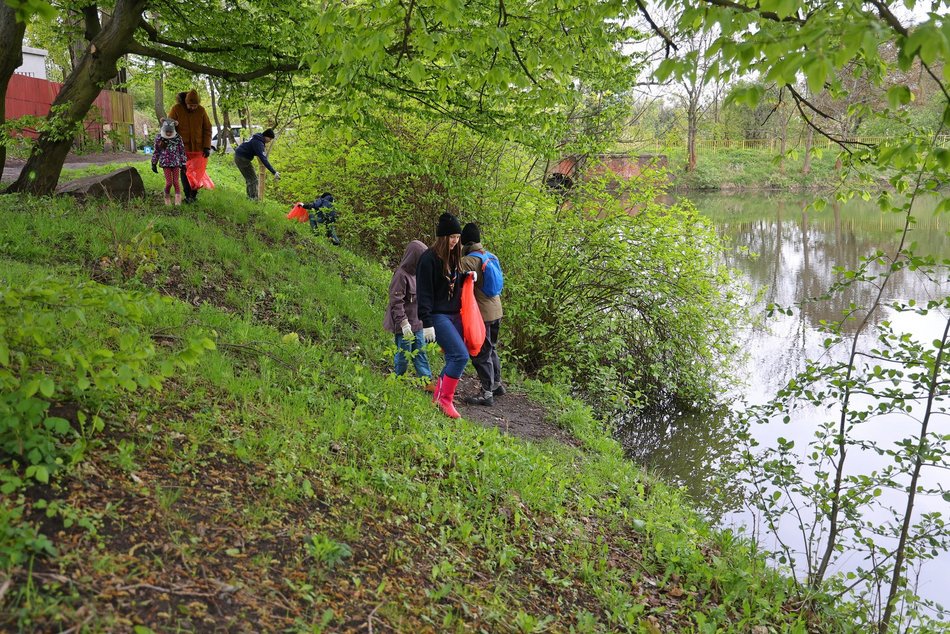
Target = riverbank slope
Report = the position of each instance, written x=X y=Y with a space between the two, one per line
x=200 y=433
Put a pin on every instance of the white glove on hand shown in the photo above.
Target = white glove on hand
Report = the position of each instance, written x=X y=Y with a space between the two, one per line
x=429 y=334
x=276 y=176
x=474 y=277
x=406 y=329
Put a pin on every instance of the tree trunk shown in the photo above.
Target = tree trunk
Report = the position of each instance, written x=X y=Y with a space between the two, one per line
x=228 y=136
x=691 y=131
x=784 y=145
x=809 y=139
x=214 y=113
x=159 y=91
x=96 y=67
x=11 y=56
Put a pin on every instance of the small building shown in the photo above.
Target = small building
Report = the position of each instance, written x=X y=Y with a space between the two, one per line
x=617 y=168
x=109 y=123
x=34 y=63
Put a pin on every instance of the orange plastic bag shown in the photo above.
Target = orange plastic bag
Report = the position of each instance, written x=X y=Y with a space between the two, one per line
x=299 y=214
x=197 y=171
x=473 y=328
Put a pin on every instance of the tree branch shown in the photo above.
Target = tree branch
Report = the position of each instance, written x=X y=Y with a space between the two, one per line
x=521 y=63
x=156 y=37
x=136 y=48
x=768 y=15
x=668 y=42
x=91 y=18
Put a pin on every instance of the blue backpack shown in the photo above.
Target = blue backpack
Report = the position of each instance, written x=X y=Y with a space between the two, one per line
x=492 y=278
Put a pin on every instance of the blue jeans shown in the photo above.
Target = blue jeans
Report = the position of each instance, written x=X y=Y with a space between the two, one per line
x=448 y=334
x=420 y=360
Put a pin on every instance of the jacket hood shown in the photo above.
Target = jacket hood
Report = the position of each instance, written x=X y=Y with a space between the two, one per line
x=410 y=258
x=472 y=246
x=192 y=98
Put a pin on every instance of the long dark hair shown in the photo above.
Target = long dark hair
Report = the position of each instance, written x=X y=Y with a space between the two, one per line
x=451 y=260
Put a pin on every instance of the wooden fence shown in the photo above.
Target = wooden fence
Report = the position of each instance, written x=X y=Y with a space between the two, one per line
x=110 y=121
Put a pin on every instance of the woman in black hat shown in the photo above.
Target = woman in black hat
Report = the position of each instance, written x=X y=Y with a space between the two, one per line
x=439 y=287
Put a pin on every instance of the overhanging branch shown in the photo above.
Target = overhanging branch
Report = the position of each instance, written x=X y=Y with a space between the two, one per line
x=768 y=15
x=136 y=48
x=668 y=42
x=156 y=37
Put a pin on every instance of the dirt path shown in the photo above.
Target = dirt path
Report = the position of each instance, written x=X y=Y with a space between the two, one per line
x=513 y=414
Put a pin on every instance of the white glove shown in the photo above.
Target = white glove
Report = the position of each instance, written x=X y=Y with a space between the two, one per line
x=474 y=277
x=429 y=334
x=276 y=176
x=406 y=329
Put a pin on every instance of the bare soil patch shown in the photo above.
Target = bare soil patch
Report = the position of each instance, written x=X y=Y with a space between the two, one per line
x=514 y=413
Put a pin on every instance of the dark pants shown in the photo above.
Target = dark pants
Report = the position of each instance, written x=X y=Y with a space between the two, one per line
x=486 y=362
x=249 y=173
x=190 y=194
x=331 y=231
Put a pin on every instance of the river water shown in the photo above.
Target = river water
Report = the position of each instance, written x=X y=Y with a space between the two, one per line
x=786 y=253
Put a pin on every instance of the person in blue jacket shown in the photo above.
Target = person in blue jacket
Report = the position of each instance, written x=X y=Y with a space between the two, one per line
x=325 y=215
x=246 y=152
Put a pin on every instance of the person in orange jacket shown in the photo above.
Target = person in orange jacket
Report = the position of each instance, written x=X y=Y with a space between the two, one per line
x=194 y=127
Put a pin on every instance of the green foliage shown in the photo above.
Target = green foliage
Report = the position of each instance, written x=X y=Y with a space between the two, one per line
x=630 y=307
x=48 y=354
x=316 y=419
x=26 y=10
x=326 y=551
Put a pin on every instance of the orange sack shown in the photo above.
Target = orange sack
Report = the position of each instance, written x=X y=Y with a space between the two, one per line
x=473 y=328
x=197 y=171
x=299 y=214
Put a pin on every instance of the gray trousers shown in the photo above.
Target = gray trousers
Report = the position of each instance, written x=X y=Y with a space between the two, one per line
x=249 y=174
x=487 y=365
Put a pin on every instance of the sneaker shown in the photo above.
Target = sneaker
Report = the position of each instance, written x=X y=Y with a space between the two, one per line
x=483 y=398
x=499 y=391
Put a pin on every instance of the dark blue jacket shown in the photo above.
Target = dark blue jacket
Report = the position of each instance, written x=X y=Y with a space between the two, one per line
x=325 y=211
x=254 y=147
x=432 y=289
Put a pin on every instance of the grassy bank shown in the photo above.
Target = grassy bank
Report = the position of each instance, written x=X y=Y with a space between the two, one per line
x=199 y=433
x=741 y=169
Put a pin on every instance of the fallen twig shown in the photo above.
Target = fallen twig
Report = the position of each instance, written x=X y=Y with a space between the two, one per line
x=175 y=591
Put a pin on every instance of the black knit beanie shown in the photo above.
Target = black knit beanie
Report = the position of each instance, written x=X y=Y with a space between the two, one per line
x=448 y=224
x=470 y=233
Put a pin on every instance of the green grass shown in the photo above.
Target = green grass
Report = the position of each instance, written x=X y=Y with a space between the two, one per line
x=285 y=481
x=731 y=169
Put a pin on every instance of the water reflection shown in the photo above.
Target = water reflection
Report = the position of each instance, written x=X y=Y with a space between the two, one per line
x=689 y=448
x=791 y=252
x=788 y=253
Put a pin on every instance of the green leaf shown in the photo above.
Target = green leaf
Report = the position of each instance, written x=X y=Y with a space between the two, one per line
x=41 y=473
x=47 y=387
x=898 y=96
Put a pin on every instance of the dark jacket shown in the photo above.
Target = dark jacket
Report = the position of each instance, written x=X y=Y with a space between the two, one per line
x=490 y=307
x=326 y=213
x=254 y=147
x=402 y=292
x=433 y=289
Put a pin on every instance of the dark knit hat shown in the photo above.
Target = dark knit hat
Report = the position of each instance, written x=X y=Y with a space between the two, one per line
x=448 y=225
x=269 y=133
x=470 y=233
